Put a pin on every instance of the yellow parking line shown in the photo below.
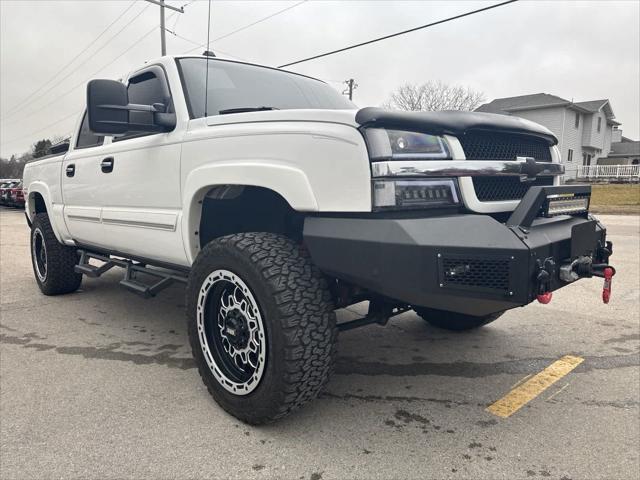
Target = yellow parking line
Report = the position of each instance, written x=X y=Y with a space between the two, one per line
x=527 y=391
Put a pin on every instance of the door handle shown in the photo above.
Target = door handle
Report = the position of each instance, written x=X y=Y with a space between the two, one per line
x=107 y=165
x=70 y=170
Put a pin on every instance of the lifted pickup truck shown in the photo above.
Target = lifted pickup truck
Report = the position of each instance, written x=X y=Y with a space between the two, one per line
x=277 y=202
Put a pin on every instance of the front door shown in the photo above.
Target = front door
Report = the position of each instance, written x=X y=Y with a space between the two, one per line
x=140 y=187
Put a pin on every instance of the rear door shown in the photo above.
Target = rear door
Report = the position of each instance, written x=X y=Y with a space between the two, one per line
x=81 y=187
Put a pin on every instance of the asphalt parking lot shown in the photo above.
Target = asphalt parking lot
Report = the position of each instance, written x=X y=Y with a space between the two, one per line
x=100 y=384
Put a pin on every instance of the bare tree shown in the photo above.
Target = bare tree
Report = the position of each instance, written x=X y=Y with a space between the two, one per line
x=434 y=96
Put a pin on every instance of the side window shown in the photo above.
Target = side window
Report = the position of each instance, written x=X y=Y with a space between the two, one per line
x=599 y=124
x=577 y=122
x=146 y=89
x=86 y=138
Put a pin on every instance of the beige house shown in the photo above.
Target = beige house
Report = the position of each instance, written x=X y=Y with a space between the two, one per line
x=624 y=151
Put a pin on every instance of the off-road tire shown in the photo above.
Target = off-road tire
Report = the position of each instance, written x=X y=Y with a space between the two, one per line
x=297 y=314
x=454 y=321
x=60 y=276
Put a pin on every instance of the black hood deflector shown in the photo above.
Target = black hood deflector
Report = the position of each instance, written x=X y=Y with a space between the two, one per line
x=452 y=122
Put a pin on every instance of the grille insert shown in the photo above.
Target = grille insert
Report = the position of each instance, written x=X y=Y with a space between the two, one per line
x=492 y=189
x=503 y=146
x=475 y=273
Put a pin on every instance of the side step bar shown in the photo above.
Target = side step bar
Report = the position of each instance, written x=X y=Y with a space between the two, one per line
x=165 y=278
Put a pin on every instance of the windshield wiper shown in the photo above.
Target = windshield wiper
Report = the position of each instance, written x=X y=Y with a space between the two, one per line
x=245 y=109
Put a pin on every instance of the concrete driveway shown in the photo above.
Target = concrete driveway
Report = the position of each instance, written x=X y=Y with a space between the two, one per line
x=101 y=384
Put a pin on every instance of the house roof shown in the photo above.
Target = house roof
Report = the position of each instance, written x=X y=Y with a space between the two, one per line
x=592 y=105
x=543 y=100
x=625 y=148
x=522 y=102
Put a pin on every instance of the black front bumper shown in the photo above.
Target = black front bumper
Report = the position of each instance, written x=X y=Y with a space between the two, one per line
x=466 y=263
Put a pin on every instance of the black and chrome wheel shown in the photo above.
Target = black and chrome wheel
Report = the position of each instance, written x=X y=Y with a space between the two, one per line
x=454 y=321
x=39 y=254
x=53 y=263
x=231 y=332
x=261 y=325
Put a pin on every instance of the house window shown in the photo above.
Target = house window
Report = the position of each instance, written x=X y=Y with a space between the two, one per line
x=577 y=123
x=570 y=156
x=599 y=124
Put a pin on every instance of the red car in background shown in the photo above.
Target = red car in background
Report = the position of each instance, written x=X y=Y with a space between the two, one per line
x=11 y=193
x=16 y=196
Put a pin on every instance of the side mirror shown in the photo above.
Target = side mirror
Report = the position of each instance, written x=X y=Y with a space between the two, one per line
x=108 y=108
x=107 y=102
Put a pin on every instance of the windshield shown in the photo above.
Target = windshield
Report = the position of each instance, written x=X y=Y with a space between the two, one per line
x=241 y=86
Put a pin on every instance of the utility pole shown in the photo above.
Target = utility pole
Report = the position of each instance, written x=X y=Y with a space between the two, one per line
x=351 y=86
x=163 y=41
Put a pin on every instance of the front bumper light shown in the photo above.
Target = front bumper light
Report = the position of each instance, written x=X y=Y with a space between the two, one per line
x=414 y=193
x=384 y=144
x=566 y=204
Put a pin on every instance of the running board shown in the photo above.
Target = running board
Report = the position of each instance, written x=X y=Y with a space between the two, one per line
x=165 y=278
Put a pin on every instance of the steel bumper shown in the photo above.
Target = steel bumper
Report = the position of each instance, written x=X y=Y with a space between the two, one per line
x=466 y=263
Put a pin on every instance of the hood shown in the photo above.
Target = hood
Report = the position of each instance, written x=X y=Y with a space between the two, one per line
x=452 y=122
x=346 y=117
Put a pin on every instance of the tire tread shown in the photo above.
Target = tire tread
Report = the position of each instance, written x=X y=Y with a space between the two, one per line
x=61 y=260
x=306 y=316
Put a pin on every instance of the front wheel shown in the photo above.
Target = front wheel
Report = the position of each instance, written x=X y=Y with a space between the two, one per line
x=453 y=320
x=261 y=325
x=53 y=263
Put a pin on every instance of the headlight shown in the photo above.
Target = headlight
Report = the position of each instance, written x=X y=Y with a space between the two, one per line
x=386 y=144
x=414 y=193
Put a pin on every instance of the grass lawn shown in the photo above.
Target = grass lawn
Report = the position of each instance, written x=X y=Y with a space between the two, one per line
x=615 y=198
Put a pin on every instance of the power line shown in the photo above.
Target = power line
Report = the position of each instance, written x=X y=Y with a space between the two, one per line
x=133 y=44
x=249 y=25
x=74 y=58
x=350 y=47
x=75 y=69
x=82 y=82
x=43 y=128
x=75 y=87
x=193 y=42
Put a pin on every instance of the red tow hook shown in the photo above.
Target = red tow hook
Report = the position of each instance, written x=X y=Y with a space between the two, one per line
x=545 y=297
x=606 y=290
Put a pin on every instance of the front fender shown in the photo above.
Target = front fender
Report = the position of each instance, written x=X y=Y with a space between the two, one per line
x=289 y=182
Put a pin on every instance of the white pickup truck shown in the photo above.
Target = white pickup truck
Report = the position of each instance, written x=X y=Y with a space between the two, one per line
x=277 y=202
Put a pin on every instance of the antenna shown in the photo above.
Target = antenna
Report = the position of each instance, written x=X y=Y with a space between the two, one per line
x=206 y=81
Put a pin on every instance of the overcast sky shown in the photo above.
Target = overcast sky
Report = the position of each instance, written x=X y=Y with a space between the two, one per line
x=576 y=50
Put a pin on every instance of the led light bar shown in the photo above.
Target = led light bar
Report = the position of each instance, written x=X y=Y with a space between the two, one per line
x=414 y=193
x=566 y=204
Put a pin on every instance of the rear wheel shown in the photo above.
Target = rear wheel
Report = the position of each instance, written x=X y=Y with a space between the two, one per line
x=261 y=325
x=53 y=263
x=453 y=320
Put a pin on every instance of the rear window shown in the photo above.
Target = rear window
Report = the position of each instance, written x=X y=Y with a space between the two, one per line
x=86 y=138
